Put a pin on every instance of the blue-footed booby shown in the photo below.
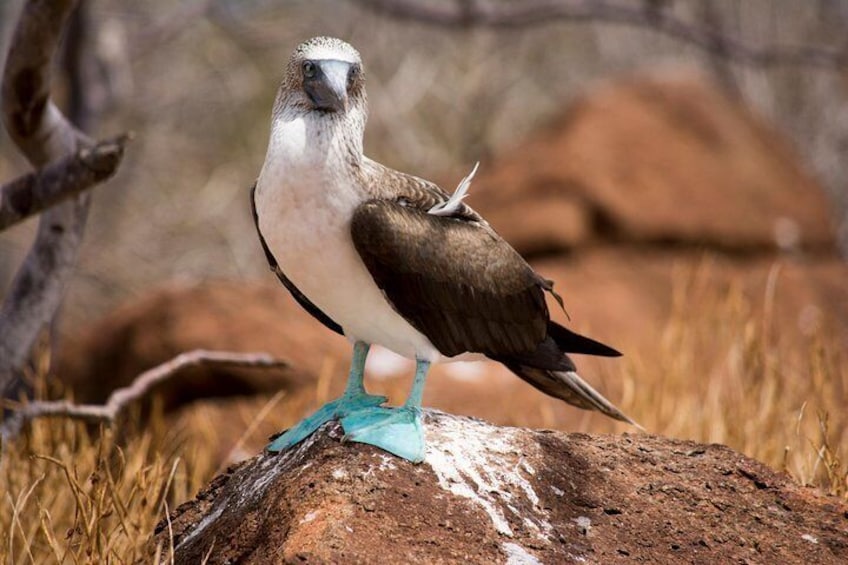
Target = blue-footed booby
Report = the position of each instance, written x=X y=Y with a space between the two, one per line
x=383 y=257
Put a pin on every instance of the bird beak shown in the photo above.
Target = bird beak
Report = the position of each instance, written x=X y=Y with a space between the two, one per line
x=328 y=88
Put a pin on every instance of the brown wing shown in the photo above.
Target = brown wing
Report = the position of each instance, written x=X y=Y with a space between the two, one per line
x=413 y=191
x=456 y=281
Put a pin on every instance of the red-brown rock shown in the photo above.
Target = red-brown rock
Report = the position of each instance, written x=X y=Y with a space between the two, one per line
x=227 y=316
x=655 y=160
x=506 y=495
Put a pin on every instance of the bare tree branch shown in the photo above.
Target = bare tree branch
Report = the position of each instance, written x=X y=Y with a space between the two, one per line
x=32 y=120
x=59 y=180
x=533 y=12
x=138 y=389
x=43 y=134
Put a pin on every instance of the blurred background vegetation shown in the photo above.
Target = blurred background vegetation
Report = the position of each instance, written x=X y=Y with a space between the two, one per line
x=196 y=79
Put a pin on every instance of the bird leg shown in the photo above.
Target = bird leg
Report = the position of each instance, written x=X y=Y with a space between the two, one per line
x=396 y=430
x=353 y=400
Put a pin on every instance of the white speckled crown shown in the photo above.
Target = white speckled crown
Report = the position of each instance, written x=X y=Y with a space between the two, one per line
x=327 y=48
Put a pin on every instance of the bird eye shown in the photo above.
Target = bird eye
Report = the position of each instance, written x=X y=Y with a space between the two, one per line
x=352 y=75
x=309 y=69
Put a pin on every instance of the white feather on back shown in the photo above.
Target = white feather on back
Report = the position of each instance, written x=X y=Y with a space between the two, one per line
x=451 y=205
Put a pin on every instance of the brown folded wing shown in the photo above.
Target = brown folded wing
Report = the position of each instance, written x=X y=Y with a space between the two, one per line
x=456 y=281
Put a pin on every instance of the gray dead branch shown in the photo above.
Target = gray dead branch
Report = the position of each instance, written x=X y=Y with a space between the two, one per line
x=44 y=135
x=141 y=386
x=64 y=178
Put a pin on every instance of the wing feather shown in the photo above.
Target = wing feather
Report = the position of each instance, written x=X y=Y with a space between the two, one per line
x=454 y=280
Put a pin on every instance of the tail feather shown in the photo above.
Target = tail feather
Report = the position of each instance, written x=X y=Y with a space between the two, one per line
x=550 y=370
x=570 y=387
x=571 y=342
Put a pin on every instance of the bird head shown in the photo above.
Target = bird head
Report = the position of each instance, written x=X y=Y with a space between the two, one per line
x=324 y=75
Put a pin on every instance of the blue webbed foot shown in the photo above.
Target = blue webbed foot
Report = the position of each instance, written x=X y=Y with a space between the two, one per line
x=333 y=410
x=396 y=430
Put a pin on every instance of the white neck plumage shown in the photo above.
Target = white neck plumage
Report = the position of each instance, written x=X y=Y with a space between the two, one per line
x=308 y=150
x=317 y=139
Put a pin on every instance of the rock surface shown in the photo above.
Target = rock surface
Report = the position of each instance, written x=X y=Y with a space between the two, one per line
x=655 y=160
x=506 y=495
x=222 y=315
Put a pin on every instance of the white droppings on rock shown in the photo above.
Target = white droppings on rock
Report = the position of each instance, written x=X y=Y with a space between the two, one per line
x=529 y=492
x=387 y=462
x=263 y=479
x=517 y=555
x=309 y=517
x=809 y=538
x=202 y=525
x=339 y=474
x=467 y=458
x=531 y=525
x=271 y=465
x=584 y=524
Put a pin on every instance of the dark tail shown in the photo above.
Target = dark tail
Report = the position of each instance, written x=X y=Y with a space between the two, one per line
x=550 y=370
x=570 y=342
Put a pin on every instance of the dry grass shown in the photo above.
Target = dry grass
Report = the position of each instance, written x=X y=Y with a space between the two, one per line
x=728 y=373
x=73 y=495
x=723 y=372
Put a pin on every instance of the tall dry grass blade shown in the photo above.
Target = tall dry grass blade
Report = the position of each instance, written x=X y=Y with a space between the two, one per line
x=208 y=554
x=171 y=551
x=17 y=506
x=251 y=428
x=121 y=508
x=47 y=530
x=161 y=500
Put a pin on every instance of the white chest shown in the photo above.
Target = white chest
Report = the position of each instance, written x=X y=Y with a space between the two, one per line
x=305 y=202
